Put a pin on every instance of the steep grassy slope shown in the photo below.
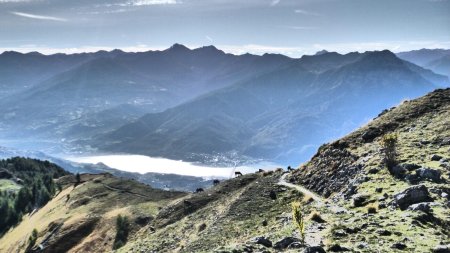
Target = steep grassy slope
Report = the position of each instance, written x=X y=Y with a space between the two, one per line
x=224 y=218
x=356 y=211
x=352 y=169
x=81 y=218
x=359 y=205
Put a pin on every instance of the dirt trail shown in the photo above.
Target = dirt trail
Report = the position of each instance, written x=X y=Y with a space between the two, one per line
x=315 y=232
x=318 y=199
x=124 y=191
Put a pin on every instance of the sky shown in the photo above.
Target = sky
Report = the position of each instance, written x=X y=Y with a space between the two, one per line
x=290 y=27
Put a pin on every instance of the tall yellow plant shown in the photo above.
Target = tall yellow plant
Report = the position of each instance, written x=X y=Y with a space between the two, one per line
x=298 y=219
x=389 y=144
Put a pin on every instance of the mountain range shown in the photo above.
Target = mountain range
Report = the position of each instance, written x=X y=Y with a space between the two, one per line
x=307 y=101
x=182 y=103
x=437 y=60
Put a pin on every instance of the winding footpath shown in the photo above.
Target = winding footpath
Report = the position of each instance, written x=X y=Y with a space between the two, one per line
x=318 y=199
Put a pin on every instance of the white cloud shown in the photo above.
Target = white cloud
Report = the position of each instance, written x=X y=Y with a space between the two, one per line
x=301 y=27
x=307 y=13
x=275 y=2
x=33 y=16
x=13 y=1
x=148 y=2
x=261 y=49
x=209 y=38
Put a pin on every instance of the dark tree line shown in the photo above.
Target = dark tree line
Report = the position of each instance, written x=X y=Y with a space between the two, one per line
x=37 y=188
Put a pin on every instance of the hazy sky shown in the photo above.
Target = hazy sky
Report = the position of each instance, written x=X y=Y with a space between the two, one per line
x=238 y=26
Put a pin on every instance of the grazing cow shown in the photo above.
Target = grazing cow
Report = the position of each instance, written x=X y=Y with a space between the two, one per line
x=261 y=171
x=237 y=174
x=199 y=190
x=289 y=168
x=216 y=182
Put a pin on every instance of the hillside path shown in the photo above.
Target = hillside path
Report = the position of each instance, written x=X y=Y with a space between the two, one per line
x=318 y=199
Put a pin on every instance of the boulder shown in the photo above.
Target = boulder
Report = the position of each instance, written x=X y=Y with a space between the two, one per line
x=263 y=241
x=201 y=227
x=264 y=223
x=285 y=242
x=445 y=141
x=314 y=249
x=435 y=157
x=352 y=190
x=441 y=249
x=384 y=232
x=360 y=200
x=337 y=248
x=296 y=245
x=143 y=220
x=429 y=174
x=373 y=171
x=398 y=171
x=362 y=245
x=410 y=166
x=273 y=195
x=399 y=245
x=412 y=195
x=371 y=134
x=424 y=207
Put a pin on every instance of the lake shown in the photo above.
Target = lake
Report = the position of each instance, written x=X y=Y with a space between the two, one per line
x=143 y=164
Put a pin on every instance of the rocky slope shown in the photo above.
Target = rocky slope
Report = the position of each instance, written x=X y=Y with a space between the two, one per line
x=412 y=202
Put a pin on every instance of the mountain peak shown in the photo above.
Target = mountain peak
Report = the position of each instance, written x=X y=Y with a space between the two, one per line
x=321 y=52
x=178 y=48
x=10 y=53
x=209 y=50
x=381 y=57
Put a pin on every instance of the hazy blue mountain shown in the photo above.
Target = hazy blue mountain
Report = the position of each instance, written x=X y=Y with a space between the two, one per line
x=20 y=71
x=437 y=60
x=440 y=65
x=423 y=56
x=307 y=102
x=113 y=88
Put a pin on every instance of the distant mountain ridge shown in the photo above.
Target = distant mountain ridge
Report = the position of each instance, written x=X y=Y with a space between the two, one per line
x=66 y=103
x=437 y=60
x=180 y=102
x=307 y=101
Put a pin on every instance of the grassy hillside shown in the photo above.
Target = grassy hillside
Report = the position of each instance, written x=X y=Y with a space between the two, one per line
x=351 y=169
x=349 y=200
x=25 y=184
x=81 y=218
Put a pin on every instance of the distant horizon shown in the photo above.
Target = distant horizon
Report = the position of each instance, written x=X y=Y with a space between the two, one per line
x=287 y=27
x=235 y=50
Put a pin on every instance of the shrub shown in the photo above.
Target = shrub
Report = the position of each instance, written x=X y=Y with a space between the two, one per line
x=77 y=179
x=122 y=230
x=315 y=216
x=308 y=199
x=298 y=219
x=371 y=209
x=32 y=239
x=389 y=148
